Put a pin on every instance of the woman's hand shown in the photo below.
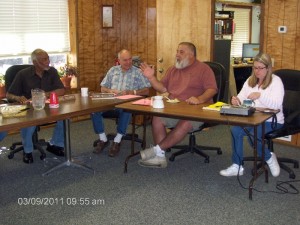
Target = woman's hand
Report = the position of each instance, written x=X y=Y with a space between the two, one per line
x=235 y=100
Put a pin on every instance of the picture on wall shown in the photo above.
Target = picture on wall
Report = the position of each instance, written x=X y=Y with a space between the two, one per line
x=107 y=16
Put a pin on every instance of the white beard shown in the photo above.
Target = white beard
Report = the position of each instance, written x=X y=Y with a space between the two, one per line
x=47 y=68
x=43 y=67
x=182 y=64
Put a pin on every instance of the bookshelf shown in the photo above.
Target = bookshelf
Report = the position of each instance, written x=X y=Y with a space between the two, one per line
x=224 y=25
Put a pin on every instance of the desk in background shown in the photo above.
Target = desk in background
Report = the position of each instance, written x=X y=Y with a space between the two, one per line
x=241 y=73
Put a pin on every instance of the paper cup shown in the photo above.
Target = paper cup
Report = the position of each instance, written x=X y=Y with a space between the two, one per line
x=84 y=92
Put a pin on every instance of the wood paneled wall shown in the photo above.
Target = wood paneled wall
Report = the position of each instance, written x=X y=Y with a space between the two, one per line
x=134 y=28
x=284 y=48
x=178 y=21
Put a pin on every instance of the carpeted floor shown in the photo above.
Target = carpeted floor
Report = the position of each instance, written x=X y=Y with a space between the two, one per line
x=188 y=191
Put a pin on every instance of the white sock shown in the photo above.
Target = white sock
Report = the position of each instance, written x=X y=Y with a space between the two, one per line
x=103 y=137
x=159 y=151
x=118 y=138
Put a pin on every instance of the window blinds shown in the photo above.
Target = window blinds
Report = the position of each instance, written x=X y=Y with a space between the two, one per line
x=29 y=24
x=241 y=31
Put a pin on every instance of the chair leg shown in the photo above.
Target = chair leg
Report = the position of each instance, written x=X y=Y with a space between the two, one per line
x=201 y=147
x=192 y=147
x=128 y=137
x=288 y=169
x=13 y=151
x=248 y=158
x=14 y=145
x=37 y=145
x=287 y=160
x=110 y=137
x=184 y=150
x=200 y=152
x=281 y=162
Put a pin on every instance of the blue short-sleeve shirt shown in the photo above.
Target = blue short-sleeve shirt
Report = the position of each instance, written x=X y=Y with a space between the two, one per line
x=132 y=79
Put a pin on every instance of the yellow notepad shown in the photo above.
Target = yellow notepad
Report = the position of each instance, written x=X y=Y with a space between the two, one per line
x=215 y=107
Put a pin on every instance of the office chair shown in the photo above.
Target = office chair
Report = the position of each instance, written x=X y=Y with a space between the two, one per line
x=291 y=111
x=10 y=74
x=111 y=114
x=192 y=147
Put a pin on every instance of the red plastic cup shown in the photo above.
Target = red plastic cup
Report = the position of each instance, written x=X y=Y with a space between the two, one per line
x=53 y=100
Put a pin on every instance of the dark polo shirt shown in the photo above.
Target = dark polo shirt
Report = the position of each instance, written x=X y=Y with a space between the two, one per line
x=26 y=80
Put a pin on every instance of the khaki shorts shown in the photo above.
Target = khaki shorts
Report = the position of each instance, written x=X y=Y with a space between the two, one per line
x=171 y=123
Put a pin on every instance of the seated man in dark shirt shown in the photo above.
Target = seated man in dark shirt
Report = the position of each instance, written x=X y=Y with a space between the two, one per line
x=44 y=77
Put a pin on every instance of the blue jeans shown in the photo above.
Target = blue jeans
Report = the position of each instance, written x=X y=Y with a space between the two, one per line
x=123 y=121
x=2 y=135
x=238 y=134
x=57 y=137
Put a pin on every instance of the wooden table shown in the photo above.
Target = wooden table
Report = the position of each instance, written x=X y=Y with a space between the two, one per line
x=68 y=108
x=183 y=110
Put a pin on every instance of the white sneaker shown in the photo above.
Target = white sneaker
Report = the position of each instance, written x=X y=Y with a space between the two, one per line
x=233 y=170
x=273 y=165
x=155 y=162
x=148 y=153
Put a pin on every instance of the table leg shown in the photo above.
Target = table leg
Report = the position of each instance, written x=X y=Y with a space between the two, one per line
x=133 y=133
x=144 y=132
x=263 y=163
x=133 y=153
x=68 y=157
x=254 y=163
x=257 y=172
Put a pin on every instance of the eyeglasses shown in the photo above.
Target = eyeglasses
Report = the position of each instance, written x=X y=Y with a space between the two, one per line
x=258 y=68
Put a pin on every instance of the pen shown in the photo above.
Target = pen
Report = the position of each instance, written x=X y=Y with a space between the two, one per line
x=22 y=110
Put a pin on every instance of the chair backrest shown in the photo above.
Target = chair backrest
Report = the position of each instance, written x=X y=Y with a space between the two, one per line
x=219 y=72
x=291 y=107
x=11 y=72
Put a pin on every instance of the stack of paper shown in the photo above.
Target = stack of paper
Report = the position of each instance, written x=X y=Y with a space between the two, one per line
x=127 y=96
x=14 y=111
x=143 y=101
x=99 y=96
x=215 y=107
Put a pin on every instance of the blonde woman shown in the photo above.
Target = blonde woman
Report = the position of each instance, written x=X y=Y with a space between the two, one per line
x=267 y=91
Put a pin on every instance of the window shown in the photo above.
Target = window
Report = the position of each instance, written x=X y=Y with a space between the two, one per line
x=56 y=60
x=27 y=25
x=242 y=17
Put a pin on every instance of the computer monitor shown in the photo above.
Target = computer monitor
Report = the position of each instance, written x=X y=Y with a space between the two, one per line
x=250 y=50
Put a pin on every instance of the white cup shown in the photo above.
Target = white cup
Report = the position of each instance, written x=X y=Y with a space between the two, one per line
x=84 y=91
x=157 y=102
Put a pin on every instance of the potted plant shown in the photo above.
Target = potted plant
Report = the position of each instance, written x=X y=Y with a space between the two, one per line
x=2 y=86
x=68 y=73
